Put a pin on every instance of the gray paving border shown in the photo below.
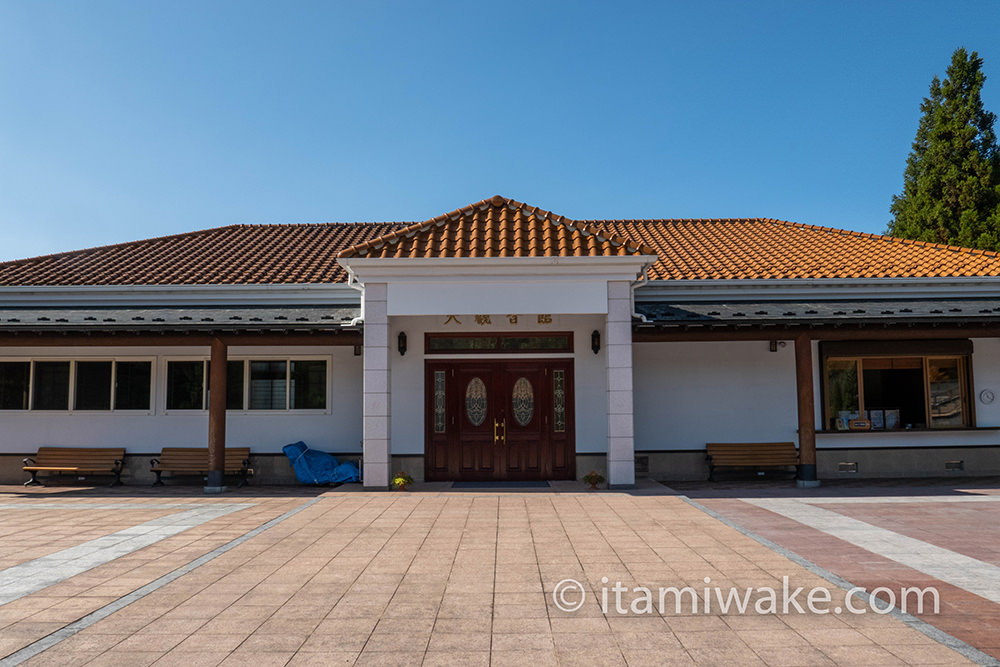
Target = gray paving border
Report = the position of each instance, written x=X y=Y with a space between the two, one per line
x=32 y=576
x=970 y=574
x=47 y=642
x=938 y=635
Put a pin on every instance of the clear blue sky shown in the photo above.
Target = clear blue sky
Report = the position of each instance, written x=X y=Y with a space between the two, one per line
x=126 y=120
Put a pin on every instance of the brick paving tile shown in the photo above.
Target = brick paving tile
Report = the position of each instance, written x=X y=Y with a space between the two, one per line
x=204 y=658
x=523 y=657
x=436 y=577
x=963 y=614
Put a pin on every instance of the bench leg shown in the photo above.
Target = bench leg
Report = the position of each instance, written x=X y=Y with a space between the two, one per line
x=159 y=478
x=34 y=479
x=117 y=479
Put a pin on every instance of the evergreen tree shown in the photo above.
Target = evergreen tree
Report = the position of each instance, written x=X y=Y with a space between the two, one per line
x=951 y=186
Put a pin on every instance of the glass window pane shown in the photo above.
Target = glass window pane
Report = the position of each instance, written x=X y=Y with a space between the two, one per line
x=894 y=392
x=463 y=343
x=559 y=401
x=14 y=378
x=267 y=385
x=185 y=385
x=308 y=385
x=234 y=385
x=842 y=387
x=475 y=401
x=93 y=385
x=944 y=381
x=51 y=388
x=530 y=343
x=522 y=401
x=439 y=405
x=132 y=384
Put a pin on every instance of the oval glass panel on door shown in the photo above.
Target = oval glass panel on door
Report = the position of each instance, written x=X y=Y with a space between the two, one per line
x=523 y=401
x=475 y=401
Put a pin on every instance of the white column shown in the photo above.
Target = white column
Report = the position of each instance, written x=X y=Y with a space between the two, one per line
x=376 y=387
x=618 y=346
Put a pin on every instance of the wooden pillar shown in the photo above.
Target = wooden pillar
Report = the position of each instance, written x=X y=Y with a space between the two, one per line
x=217 y=417
x=806 y=411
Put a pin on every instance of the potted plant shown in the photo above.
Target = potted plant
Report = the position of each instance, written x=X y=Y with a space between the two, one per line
x=401 y=481
x=593 y=478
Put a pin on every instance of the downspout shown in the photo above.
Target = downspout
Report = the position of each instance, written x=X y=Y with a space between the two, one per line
x=638 y=283
x=353 y=282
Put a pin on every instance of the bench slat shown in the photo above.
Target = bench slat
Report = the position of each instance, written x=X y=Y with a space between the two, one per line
x=750 y=455
x=194 y=460
x=76 y=460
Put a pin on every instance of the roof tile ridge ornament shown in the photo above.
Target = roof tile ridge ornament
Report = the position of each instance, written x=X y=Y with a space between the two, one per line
x=362 y=249
x=497 y=201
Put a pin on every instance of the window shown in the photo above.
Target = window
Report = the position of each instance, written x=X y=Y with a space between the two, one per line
x=467 y=343
x=133 y=380
x=75 y=385
x=50 y=390
x=234 y=385
x=93 y=385
x=907 y=390
x=268 y=385
x=15 y=378
x=252 y=384
x=308 y=385
x=186 y=385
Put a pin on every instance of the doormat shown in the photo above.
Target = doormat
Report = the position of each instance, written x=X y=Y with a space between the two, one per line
x=500 y=485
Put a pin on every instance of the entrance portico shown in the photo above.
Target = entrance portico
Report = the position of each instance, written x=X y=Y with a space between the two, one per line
x=496 y=267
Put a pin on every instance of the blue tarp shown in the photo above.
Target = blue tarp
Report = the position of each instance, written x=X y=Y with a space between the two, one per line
x=315 y=467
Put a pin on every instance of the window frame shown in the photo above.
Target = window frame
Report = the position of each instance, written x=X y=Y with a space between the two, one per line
x=245 y=360
x=566 y=336
x=31 y=370
x=71 y=408
x=966 y=385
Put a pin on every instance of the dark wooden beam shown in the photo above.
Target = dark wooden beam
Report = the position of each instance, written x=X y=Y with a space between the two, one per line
x=51 y=339
x=217 y=416
x=806 y=409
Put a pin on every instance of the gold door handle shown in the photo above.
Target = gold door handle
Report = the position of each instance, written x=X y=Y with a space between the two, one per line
x=496 y=425
x=504 y=424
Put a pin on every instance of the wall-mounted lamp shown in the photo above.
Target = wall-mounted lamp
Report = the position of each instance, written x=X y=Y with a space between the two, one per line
x=595 y=341
x=357 y=350
x=401 y=343
x=775 y=344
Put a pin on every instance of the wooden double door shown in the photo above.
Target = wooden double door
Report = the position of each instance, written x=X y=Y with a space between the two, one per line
x=499 y=420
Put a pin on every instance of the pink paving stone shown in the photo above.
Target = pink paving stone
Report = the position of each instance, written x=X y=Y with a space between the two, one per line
x=964 y=615
x=971 y=529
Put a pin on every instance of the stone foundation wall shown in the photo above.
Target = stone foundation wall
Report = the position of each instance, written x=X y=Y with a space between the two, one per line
x=871 y=463
x=661 y=466
x=268 y=469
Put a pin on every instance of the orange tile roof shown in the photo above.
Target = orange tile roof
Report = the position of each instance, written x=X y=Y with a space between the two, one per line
x=756 y=249
x=688 y=249
x=237 y=254
x=497 y=227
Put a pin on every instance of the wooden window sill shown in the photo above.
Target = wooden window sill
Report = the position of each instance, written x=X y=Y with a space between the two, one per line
x=950 y=429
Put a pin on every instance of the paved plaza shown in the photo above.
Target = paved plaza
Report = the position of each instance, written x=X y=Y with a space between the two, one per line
x=293 y=576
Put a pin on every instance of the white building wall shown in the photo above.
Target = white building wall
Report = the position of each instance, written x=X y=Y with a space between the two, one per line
x=337 y=429
x=407 y=378
x=688 y=394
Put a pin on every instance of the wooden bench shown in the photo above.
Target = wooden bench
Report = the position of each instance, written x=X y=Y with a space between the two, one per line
x=755 y=455
x=194 y=461
x=76 y=461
